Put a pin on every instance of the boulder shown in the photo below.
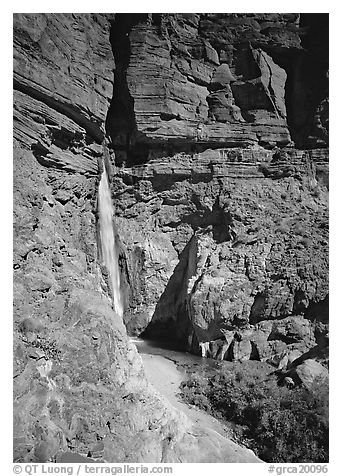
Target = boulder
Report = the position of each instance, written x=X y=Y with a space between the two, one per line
x=241 y=350
x=309 y=372
x=211 y=53
x=287 y=358
x=293 y=329
x=222 y=76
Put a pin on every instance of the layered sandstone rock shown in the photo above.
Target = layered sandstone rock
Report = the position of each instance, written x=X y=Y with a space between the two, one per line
x=189 y=80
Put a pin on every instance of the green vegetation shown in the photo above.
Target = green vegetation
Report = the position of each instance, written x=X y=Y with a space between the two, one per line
x=280 y=424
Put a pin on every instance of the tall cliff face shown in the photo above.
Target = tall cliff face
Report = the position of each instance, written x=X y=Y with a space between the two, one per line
x=189 y=82
x=222 y=189
x=222 y=221
x=224 y=247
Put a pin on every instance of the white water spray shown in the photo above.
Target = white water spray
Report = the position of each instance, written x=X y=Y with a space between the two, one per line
x=110 y=255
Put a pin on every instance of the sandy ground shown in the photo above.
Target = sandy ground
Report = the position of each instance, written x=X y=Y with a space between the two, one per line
x=163 y=374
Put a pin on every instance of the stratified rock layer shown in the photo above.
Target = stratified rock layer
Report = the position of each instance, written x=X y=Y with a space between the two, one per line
x=197 y=80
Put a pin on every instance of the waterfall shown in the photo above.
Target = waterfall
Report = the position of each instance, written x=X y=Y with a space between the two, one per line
x=110 y=255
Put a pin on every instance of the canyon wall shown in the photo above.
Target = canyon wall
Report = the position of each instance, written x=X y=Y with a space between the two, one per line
x=222 y=182
x=215 y=131
x=191 y=82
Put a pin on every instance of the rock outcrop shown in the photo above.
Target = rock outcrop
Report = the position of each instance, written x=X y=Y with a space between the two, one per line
x=251 y=235
x=309 y=372
x=193 y=81
x=220 y=190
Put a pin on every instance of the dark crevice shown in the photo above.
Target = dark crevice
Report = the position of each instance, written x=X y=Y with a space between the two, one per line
x=307 y=80
x=318 y=310
x=255 y=352
x=257 y=310
x=220 y=220
x=245 y=63
x=170 y=321
x=121 y=125
x=65 y=139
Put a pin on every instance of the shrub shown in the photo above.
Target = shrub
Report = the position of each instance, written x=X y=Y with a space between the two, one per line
x=278 y=423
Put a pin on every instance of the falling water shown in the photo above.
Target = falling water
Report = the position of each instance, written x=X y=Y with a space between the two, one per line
x=110 y=255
